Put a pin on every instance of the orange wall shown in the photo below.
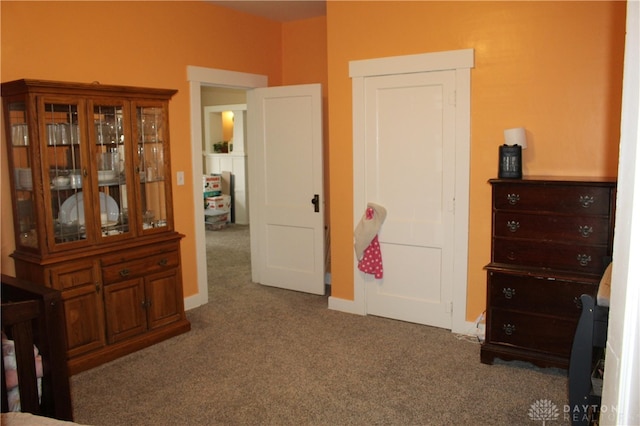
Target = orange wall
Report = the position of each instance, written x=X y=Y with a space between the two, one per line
x=304 y=61
x=554 y=68
x=139 y=44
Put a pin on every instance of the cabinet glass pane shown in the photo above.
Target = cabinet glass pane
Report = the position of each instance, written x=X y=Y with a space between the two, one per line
x=151 y=167
x=111 y=166
x=23 y=176
x=65 y=168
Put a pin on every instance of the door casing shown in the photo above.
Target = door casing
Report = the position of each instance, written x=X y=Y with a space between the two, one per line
x=461 y=61
x=197 y=77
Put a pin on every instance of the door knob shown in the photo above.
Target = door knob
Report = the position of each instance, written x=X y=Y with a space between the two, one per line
x=316 y=203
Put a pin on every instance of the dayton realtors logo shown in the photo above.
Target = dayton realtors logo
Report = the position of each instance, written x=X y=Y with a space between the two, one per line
x=544 y=410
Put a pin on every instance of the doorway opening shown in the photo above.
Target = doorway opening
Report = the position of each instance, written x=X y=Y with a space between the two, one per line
x=224 y=156
x=199 y=79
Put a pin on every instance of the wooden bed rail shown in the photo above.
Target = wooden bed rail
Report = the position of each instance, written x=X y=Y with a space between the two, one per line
x=33 y=315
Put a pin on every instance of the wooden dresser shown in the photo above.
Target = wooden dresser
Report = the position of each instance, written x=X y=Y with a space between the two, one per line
x=551 y=241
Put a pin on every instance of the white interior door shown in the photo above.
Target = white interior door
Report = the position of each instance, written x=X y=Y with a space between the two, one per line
x=410 y=170
x=286 y=187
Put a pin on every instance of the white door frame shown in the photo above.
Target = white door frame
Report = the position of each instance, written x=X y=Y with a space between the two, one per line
x=461 y=61
x=197 y=77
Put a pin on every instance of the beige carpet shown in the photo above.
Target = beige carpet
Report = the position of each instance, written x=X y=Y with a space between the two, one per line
x=262 y=356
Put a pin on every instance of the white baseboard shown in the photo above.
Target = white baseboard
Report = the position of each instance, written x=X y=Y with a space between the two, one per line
x=344 y=305
x=193 y=302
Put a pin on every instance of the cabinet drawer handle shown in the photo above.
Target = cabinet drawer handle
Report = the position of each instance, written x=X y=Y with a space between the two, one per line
x=513 y=225
x=124 y=272
x=512 y=255
x=513 y=199
x=508 y=329
x=586 y=201
x=163 y=262
x=585 y=230
x=508 y=292
x=583 y=259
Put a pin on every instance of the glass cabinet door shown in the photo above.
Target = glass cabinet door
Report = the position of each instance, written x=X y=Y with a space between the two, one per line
x=111 y=139
x=151 y=166
x=64 y=160
x=20 y=158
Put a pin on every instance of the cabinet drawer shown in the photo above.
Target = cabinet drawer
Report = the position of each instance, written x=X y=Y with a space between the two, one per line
x=537 y=294
x=578 y=258
x=581 y=200
x=150 y=264
x=75 y=274
x=578 y=229
x=535 y=332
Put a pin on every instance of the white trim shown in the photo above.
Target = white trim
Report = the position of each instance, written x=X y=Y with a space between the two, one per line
x=621 y=391
x=197 y=77
x=224 y=78
x=461 y=61
x=423 y=62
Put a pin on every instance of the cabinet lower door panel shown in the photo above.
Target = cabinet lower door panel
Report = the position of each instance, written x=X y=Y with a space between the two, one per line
x=83 y=314
x=125 y=309
x=533 y=332
x=165 y=299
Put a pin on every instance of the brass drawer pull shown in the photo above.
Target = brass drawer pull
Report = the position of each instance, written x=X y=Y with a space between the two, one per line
x=124 y=272
x=513 y=199
x=163 y=261
x=583 y=259
x=513 y=225
x=508 y=329
x=585 y=230
x=508 y=292
x=586 y=201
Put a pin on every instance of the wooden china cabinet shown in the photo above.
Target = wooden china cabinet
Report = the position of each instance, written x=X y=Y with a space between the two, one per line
x=92 y=210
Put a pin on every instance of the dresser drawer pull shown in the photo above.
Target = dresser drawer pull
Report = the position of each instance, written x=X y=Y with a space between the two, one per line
x=586 y=201
x=578 y=302
x=163 y=262
x=513 y=225
x=508 y=329
x=508 y=292
x=513 y=199
x=584 y=259
x=585 y=230
x=124 y=272
x=512 y=255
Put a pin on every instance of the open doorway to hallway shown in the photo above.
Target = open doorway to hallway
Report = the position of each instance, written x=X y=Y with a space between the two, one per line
x=228 y=251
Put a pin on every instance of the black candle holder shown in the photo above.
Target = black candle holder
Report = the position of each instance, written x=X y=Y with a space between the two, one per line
x=510 y=162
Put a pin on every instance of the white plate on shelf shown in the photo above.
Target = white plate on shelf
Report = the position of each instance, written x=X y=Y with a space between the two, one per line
x=73 y=208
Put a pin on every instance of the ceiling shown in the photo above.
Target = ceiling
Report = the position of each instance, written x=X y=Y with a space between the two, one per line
x=281 y=11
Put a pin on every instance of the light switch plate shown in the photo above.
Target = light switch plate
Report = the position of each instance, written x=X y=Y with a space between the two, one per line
x=180 y=178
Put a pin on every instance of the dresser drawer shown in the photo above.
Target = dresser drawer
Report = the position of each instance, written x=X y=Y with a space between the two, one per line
x=537 y=295
x=533 y=332
x=567 y=257
x=140 y=263
x=585 y=230
x=580 y=200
